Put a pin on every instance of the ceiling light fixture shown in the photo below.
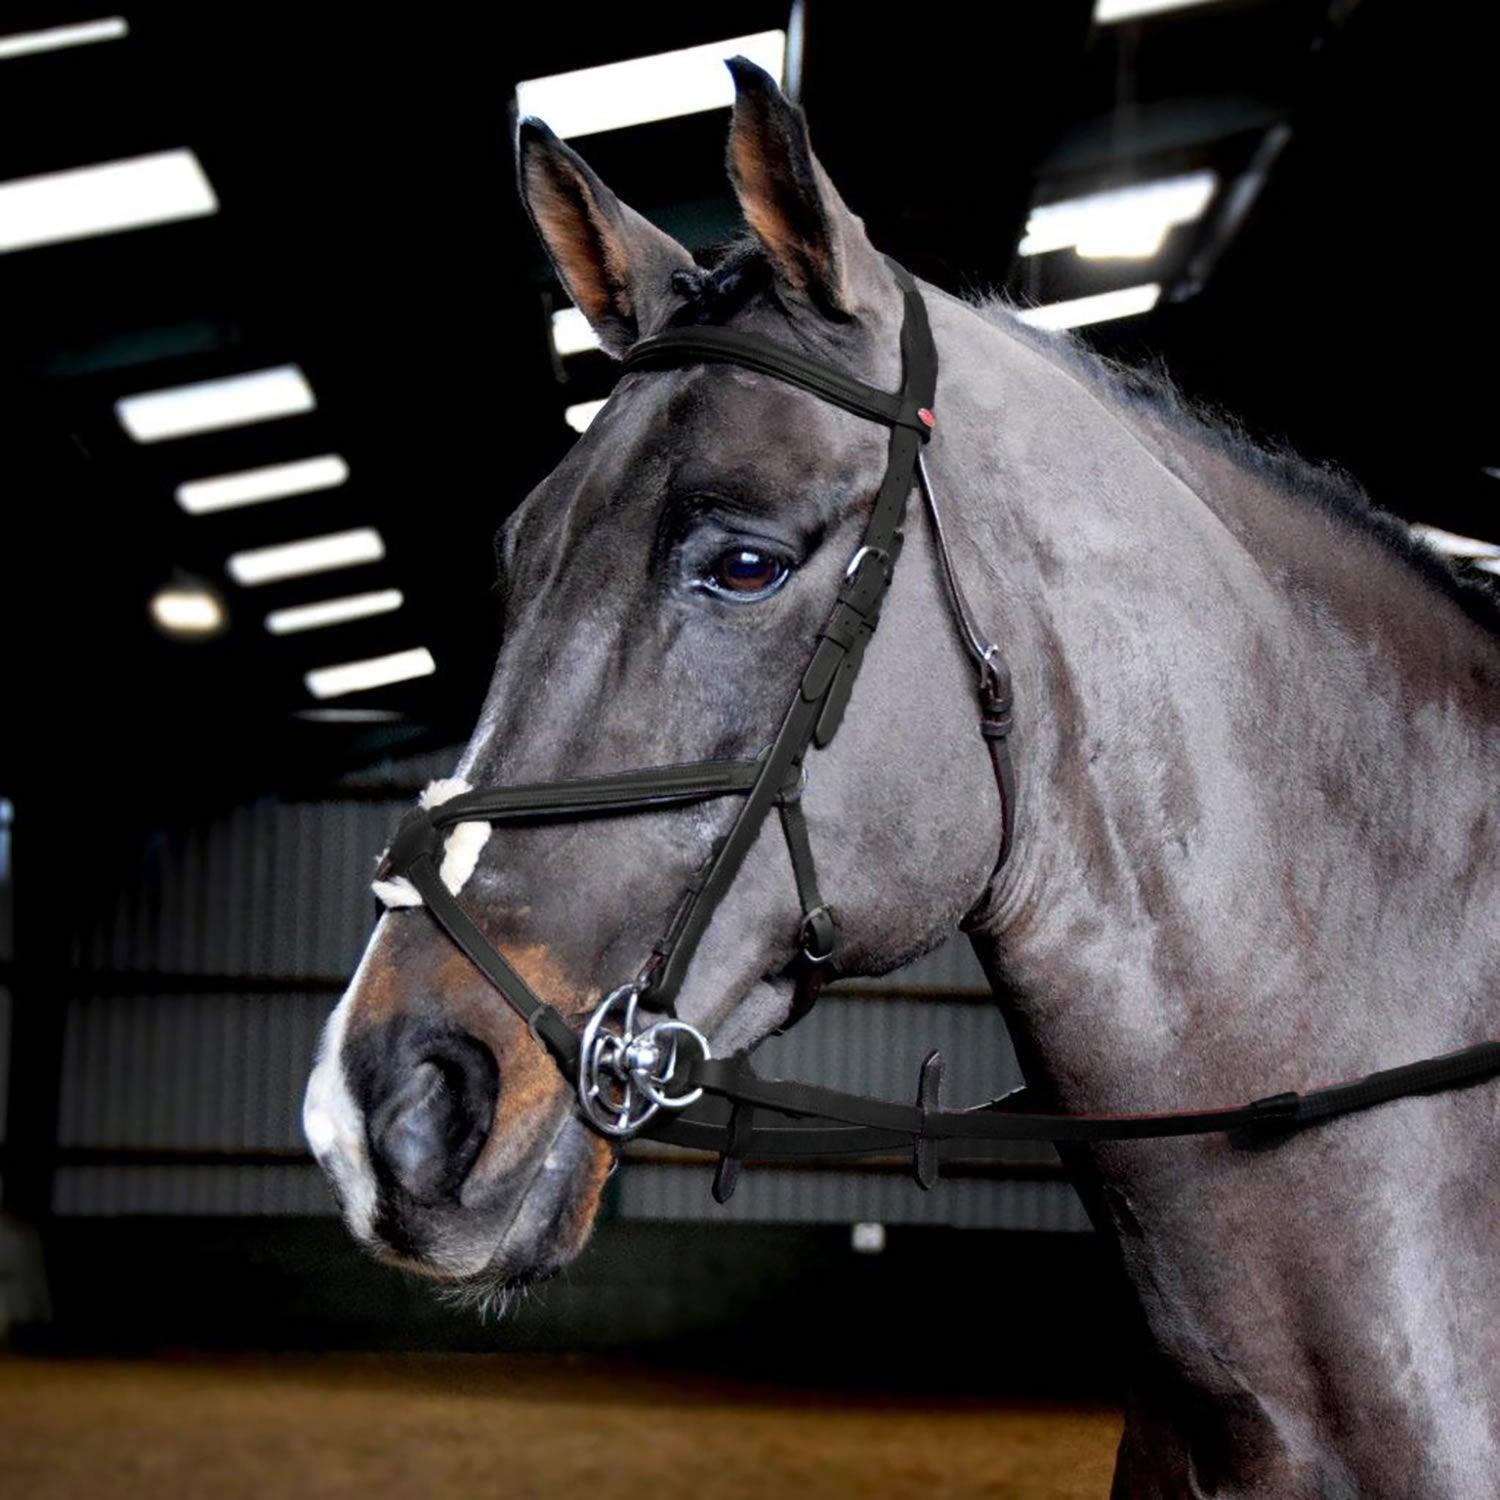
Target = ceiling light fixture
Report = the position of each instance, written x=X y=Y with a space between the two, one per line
x=318 y=554
x=188 y=610
x=376 y=671
x=1126 y=223
x=333 y=611
x=87 y=201
x=642 y=89
x=202 y=497
x=54 y=38
x=207 y=405
x=578 y=417
x=1100 y=308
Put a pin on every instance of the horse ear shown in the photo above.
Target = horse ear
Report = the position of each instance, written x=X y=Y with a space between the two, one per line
x=817 y=248
x=616 y=265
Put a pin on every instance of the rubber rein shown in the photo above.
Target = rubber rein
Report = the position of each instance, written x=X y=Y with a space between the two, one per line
x=657 y=1078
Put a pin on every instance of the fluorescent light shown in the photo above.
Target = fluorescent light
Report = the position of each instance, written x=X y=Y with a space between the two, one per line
x=1489 y=565
x=318 y=554
x=1099 y=308
x=234 y=401
x=1451 y=544
x=347 y=715
x=1128 y=222
x=643 y=89
x=20 y=43
x=88 y=201
x=571 y=333
x=183 y=609
x=1108 y=12
x=333 y=611
x=578 y=417
x=376 y=671
x=201 y=497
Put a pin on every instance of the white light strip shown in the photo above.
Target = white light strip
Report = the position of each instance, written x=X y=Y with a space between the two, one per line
x=1490 y=565
x=571 y=333
x=643 y=89
x=87 y=201
x=1451 y=544
x=22 y=43
x=202 y=497
x=347 y=715
x=317 y=554
x=578 y=417
x=1128 y=222
x=234 y=401
x=377 y=671
x=1100 y=308
x=333 y=611
x=1110 y=12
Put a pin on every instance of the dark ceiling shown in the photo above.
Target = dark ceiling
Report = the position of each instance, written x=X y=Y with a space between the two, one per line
x=368 y=232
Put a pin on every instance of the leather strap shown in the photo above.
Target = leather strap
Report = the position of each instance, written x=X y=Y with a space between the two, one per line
x=642 y=790
x=547 y=1024
x=854 y=612
x=853 y=1124
x=753 y=351
x=819 y=934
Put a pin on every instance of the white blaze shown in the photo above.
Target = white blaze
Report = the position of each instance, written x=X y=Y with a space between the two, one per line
x=332 y=1121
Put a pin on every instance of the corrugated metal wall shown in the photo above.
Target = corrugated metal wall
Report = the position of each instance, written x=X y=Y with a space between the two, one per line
x=198 y=999
x=7 y=958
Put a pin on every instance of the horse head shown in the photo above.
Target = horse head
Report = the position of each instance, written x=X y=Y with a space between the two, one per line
x=663 y=589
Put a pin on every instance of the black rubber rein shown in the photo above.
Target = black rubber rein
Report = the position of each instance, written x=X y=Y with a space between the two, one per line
x=859 y=1124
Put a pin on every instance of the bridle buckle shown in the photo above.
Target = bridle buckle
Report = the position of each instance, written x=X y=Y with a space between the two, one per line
x=880 y=554
x=624 y=1073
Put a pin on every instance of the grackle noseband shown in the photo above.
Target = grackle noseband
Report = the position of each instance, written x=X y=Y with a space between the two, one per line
x=660 y=1079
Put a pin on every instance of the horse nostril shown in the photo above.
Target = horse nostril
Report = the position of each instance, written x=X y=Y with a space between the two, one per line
x=428 y=1129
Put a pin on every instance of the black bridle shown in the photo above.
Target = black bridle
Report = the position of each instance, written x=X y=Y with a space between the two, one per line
x=660 y=1080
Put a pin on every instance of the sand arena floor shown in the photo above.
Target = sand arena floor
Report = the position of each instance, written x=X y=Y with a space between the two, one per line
x=439 y=1426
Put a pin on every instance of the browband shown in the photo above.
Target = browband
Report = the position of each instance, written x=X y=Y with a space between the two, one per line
x=753 y=351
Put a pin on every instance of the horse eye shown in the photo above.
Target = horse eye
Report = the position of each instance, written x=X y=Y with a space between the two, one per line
x=746 y=571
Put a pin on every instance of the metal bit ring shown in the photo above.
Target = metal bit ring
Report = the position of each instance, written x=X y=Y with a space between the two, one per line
x=623 y=1074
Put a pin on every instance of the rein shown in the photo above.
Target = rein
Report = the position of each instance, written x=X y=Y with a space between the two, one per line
x=659 y=1080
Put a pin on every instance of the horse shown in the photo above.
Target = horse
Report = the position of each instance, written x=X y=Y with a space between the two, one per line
x=1256 y=845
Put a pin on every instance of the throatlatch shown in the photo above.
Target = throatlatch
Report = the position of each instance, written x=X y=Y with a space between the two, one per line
x=658 y=1077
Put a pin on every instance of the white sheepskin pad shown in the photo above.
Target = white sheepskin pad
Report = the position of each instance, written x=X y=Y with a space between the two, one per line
x=461 y=850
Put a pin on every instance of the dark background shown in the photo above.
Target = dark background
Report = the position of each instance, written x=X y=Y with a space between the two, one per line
x=190 y=844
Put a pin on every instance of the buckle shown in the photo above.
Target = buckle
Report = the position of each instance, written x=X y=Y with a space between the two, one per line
x=860 y=554
x=794 y=794
x=820 y=931
x=623 y=1073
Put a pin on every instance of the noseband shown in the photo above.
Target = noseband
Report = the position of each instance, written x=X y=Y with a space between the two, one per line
x=659 y=1079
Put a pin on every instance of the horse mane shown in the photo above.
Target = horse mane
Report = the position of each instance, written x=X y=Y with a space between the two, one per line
x=1151 y=390
x=730 y=274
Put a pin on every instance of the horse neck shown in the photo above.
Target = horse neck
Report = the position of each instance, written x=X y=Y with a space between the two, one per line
x=1257 y=752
